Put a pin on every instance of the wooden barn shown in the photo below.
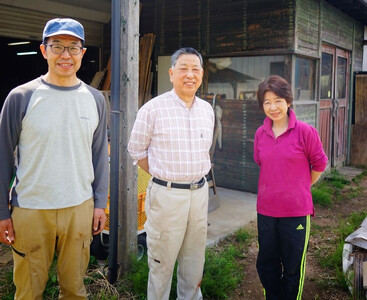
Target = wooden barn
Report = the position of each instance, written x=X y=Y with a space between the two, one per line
x=316 y=45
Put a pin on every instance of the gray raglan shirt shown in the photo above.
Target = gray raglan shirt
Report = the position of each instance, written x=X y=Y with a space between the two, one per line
x=61 y=135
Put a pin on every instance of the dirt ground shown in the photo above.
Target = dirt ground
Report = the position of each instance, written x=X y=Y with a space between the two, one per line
x=328 y=219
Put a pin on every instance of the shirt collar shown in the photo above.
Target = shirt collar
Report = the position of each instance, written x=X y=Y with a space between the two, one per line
x=180 y=101
x=268 y=123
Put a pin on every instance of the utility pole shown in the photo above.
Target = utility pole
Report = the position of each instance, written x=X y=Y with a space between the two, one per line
x=124 y=106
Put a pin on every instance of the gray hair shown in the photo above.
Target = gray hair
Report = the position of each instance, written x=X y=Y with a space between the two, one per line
x=186 y=50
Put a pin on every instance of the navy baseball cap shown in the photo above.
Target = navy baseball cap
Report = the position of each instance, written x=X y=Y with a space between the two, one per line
x=63 y=26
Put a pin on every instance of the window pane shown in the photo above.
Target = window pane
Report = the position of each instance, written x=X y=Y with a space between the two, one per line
x=341 y=77
x=304 y=79
x=326 y=75
x=239 y=77
x=307 y=113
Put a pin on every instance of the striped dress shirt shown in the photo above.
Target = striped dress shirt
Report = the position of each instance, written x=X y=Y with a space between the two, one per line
x=176 y=139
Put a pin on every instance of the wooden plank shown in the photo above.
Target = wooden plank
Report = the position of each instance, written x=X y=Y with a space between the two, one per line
x=145 y=52
x=97 y=79
x=234 y=165
x=358 y=153
x=360 y=99
x=107 y=82
x=364 y=276
x=337 y=27
x=325 y=121
x=148 y=93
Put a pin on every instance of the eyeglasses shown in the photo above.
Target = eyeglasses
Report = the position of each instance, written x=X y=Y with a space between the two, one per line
x=58 y=49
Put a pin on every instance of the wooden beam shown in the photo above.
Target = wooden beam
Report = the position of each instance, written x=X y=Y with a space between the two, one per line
x=107 y=81
x=364 y=277
x=129 y=72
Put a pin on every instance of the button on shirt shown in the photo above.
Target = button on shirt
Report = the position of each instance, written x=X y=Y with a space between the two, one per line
x=284 y=188
x=176 y=139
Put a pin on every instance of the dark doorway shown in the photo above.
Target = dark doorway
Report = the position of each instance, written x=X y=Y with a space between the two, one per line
x=19 y=69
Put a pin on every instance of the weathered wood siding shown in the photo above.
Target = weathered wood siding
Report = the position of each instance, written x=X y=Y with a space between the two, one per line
x=249 y=27
x=337 y=27
x=307 y=38
x=225 y=26
x=214 y=27
x=233 y=164
x=359 y=129
x=358 y=47
x=270 y=25
x=180 y=25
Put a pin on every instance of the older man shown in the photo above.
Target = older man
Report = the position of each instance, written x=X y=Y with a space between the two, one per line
x=171 y=139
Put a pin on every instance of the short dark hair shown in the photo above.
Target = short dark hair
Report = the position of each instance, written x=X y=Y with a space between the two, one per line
x=185 y=50
x=276 y=84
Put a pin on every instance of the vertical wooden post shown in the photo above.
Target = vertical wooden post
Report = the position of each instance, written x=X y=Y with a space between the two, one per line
x=129 y=81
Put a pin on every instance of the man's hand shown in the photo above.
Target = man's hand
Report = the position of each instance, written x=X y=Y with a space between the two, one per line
x=6 y=231
x=99 y=220
x=143 y=163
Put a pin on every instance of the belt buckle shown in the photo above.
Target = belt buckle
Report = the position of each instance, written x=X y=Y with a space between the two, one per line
x=194 y=185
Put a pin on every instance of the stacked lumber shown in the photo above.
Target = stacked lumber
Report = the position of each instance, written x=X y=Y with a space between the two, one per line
x=145 y=66
x=98 y=80
x=102 y=79
x=107 y=81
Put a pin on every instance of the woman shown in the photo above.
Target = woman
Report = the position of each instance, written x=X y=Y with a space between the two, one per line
x=291 y=159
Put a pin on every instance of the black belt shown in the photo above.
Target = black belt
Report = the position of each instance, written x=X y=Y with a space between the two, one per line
x=187 y=186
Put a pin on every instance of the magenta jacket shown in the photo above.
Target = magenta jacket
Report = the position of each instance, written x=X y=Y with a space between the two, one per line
x=284 y=188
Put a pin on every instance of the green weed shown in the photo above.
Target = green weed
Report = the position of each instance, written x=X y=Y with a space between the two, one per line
x=138 y=277
x=242 y=235
x=6 y=283
x=332 y=258
x=351 y=223
x=221 y=272
x=322 y=195
x=359 y=177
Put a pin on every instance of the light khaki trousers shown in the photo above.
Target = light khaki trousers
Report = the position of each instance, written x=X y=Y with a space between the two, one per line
x=38 y=234
x=176 y=229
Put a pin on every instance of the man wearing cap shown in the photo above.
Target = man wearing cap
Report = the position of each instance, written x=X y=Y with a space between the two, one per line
x=171 y=139
x=56 y=126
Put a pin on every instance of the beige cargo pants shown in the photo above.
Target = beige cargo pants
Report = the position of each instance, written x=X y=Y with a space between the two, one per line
x=176 y=229
x=38 y=234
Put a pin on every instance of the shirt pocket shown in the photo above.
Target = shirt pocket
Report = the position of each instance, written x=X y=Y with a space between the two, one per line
x=205 y=137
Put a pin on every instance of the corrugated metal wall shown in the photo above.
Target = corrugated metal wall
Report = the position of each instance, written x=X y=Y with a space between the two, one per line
x=28 y=24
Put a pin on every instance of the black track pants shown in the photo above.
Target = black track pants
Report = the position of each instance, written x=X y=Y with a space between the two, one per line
x=281 y=261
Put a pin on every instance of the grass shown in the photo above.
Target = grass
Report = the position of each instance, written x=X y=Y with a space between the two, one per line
x=221 y=276
x=6 y=283
x=222 y=272
x=359 y=177
x=322 y=195
x=326 y=194
x=329 y=190
x=333 y=257
x=52 y=287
